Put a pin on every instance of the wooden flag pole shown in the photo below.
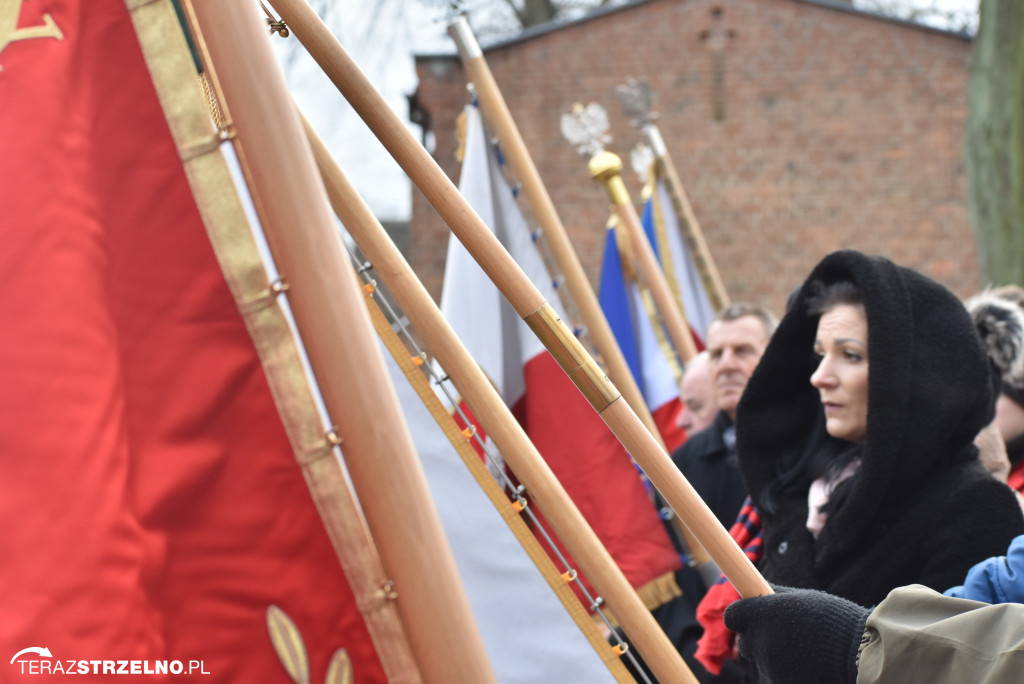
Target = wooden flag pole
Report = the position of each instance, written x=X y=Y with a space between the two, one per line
x=688 y=220
x=606 y=168
x=497 y=420
x=521 y=294
x=498 y=116
x=342 y=348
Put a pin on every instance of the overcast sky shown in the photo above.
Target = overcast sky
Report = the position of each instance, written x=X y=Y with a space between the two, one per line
x=382 y=36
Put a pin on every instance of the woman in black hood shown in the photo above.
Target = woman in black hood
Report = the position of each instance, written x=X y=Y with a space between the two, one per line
x=907 y=499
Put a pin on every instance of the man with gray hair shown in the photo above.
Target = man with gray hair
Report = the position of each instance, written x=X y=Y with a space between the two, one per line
x=736 y=339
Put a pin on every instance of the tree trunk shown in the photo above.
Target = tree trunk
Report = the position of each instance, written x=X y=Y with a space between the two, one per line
x=995 y=141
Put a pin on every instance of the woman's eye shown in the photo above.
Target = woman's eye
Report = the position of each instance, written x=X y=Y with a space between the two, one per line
x=852 y=356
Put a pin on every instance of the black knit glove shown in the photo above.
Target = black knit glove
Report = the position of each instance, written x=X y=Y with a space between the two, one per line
x=800 y=635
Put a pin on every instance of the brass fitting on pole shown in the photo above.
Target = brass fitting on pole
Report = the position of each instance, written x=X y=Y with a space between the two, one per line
x=572 y=357
x=606 y=168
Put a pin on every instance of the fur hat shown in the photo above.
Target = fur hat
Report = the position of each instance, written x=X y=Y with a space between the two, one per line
x=998 y=315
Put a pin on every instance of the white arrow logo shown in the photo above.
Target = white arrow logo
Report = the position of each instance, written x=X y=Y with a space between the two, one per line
x=32 y=649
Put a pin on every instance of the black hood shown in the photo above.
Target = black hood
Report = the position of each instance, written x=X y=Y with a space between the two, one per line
x=930 y=389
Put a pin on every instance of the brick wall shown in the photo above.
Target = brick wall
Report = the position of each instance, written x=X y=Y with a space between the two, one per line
x=839 y=130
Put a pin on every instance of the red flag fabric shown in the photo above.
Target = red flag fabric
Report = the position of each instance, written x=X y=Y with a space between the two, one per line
x=154 y=508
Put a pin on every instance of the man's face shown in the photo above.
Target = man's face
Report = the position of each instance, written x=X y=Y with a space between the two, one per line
x=735 y=347
x=699 y=397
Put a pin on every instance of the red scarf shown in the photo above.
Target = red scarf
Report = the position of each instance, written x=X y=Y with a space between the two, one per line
x=1016 y=478
x=717 y=643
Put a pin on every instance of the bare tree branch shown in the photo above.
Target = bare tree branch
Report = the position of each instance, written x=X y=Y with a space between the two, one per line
x=949 y=15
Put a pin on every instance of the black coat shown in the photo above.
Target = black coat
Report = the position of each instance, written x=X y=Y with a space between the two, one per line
x=921 y=508
x=710 y=465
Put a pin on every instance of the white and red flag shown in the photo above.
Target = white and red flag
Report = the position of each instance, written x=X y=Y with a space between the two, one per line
x=583 y=453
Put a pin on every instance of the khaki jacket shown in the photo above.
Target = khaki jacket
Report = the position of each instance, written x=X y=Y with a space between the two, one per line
x=918 y=635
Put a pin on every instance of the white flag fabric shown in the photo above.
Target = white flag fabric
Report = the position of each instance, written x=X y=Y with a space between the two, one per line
x=469 y=300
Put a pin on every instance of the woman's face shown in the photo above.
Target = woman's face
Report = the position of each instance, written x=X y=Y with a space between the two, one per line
x=842 y=375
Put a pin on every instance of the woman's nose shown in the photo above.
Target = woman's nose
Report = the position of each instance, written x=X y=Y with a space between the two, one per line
x=822 y=377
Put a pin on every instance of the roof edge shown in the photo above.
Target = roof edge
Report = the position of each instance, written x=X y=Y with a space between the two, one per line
x=552 y=26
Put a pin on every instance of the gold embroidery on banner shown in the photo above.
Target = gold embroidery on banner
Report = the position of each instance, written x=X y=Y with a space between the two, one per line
x=291 y=651
x=10 y=10
x=288 y=644
x=340 y=669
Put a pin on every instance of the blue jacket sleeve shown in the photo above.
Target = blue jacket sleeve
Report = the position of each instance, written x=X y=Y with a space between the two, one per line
x=995 y=580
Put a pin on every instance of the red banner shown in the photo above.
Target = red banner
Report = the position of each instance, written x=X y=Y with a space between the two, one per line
x=153 y=509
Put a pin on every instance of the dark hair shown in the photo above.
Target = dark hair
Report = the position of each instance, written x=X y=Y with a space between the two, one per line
x=824 y=296
x=820 y=455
